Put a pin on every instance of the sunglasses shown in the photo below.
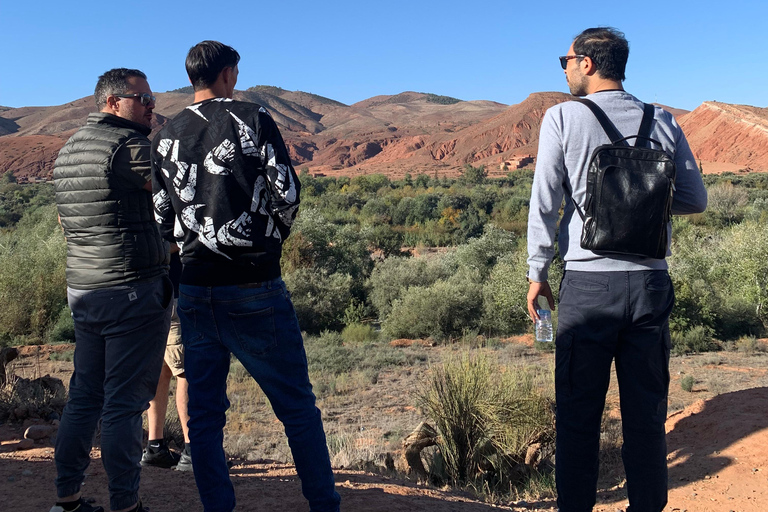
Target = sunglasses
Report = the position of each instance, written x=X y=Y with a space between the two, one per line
x=564 y=60
x=146 y=98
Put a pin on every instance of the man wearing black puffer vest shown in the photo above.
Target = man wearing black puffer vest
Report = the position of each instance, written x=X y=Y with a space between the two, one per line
x=117 y=286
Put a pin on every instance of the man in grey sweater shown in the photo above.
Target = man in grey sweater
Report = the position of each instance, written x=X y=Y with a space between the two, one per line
x=611 y=306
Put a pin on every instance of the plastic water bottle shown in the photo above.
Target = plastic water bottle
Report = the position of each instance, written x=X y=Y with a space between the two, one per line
x=544 y=323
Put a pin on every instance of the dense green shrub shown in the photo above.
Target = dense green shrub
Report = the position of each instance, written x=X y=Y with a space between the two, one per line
x=695 y=340
x=317 y=243
x=443 y=310
x=63 y=329
x=393 y=276
x=483 y=252
x=505 y=293
x=473 y=175
x=320 y=299
x=359 y=333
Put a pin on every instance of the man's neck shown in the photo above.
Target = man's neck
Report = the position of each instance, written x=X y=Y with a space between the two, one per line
x=604 y=85
x=205 y=94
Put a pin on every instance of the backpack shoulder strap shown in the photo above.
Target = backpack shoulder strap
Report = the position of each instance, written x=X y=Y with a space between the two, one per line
x=608 y=127
x=645 y=125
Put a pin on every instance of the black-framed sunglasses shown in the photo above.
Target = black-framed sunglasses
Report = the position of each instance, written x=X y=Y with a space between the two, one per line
x=565 y=58
x=145 y=97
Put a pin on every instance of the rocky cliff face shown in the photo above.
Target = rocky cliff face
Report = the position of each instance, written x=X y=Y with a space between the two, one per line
x=725 y=133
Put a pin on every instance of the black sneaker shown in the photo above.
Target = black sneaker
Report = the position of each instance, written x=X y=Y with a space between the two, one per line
x=163 y=458
x=80 y=506
x=185 y=462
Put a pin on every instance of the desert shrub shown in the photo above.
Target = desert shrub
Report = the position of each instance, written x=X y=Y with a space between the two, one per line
x=43 y=397
x=726 y=204
x=744 y=266
x=393 y=276
x=383 y=238
x=327 y=357
x=487 y=417
x=319 y=299
x=63 y=329
x=505 y=309
x=316 y=242
x=32 y=280
x=687 y=383
x=697 y=339
x=359 y=333
x=750 y=345
x=67 y=355
x=442 y=310
x=482 y=253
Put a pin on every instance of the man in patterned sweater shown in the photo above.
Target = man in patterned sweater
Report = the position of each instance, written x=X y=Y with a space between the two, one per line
x=226 y=193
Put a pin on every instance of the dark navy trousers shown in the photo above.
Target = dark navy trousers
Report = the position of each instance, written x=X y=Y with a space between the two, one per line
x=120 y=335
x=607 y=316
x=256 y=323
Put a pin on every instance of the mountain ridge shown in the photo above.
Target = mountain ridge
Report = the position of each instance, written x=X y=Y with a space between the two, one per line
x=392 y=134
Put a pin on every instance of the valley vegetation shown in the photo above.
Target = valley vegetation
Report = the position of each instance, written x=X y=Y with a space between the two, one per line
x=371 y=260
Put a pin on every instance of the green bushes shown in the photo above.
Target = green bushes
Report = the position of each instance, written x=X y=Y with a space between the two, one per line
x=32 y=280
x=320 y=299
x=359 y=333
x=442 y=310
x=697 y=339
x=723 y=288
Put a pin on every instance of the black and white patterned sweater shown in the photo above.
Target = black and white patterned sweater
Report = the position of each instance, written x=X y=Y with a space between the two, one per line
x=225 y=191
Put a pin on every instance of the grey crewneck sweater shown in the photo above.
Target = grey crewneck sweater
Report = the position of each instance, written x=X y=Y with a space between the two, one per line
x=569 y=134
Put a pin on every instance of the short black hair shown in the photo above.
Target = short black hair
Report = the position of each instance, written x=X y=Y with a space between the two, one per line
x=206 y=60
x=114 y=81
x=608 y=49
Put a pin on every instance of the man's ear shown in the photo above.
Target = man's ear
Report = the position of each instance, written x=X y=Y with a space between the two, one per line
x=227 y=74
x=113 y=103
x=587 y=65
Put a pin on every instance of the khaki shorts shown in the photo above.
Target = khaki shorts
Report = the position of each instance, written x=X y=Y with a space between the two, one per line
x=174 y=350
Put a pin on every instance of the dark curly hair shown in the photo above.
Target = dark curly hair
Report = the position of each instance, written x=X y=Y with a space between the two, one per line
x=608 y=49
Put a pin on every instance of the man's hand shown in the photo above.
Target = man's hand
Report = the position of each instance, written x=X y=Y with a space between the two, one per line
x=534 y=290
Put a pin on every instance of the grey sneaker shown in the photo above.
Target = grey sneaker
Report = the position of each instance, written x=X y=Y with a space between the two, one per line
x=185 y=462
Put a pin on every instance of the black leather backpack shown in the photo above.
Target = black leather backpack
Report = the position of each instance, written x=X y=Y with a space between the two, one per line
x=629 y=192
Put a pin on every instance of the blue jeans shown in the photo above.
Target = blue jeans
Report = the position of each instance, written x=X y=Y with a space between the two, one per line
x=256 y=323
x=606 y=316
x=120 y=335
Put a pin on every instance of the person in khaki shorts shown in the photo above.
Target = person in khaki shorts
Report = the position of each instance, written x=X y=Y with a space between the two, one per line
x=157 y=452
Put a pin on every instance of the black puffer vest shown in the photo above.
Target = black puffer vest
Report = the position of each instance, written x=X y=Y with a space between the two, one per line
x=112 y=236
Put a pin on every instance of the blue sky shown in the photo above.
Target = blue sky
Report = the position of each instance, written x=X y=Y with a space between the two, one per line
x=681 y=53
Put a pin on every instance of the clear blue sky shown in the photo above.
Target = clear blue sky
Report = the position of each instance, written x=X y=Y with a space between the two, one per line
x=681 y=53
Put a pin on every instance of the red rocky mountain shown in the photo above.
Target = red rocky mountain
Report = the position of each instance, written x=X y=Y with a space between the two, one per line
x=407 y=132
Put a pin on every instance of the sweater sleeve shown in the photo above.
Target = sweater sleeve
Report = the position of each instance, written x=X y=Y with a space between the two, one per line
x=546 y=197
x=690 y=196
x=164 y=214
x=283 y=183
